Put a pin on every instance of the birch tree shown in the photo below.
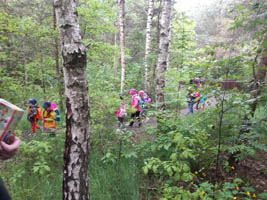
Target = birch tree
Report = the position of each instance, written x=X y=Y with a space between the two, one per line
x=122 y=40
x=170 y=35
x=163 y=53
x=148 y=41
x=76 y=153
x=58 y=73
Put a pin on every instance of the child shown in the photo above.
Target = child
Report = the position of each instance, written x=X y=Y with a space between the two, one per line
x=50 y=116
x=197 y=99
x=143 y=101
x=34 y=114
x=121 y=113
x=136 y=108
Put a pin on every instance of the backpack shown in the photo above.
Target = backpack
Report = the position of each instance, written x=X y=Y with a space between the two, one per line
x=140 y=102
x=122 y=113
x=39 y=113
x=54 y=108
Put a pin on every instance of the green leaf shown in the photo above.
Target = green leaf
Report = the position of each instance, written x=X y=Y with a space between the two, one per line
x=173 y=157
x=155 y=169
x=263 y=195
x=170 y=172
x=264 y=44
x=145 y=170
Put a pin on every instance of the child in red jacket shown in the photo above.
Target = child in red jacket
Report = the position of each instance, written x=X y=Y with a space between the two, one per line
x=34 y=115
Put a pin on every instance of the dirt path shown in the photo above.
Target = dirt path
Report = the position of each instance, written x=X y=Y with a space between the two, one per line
x=152 y=121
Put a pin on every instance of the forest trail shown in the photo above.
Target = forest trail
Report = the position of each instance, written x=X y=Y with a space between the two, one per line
x=140 y=133
x=243 y=168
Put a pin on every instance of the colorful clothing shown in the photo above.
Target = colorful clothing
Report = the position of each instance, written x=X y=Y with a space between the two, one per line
x=136 y=108
x=50 y=117
x=135 y=103
x=32 y=117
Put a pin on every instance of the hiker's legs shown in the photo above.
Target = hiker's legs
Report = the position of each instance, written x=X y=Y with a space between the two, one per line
x=121 y=119
x=134 y=116
x=37 y=126
x=191 y=107
x=197 y=105
x=132 y=119
x=33 y=127
x=3 y=191
x=138 y=118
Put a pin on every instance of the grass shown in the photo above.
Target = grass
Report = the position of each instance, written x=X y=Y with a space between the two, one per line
x=107 y=181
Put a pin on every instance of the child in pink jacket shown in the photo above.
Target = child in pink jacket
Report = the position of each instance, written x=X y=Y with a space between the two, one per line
x=135 y=106
x=121 y=113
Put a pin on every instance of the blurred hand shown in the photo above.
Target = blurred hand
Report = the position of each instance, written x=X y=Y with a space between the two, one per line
x=7 y=151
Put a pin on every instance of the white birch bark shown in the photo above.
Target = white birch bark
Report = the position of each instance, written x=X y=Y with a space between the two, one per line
x=163 y=53
x=170 y=35
x=122 y=40
x=148 y=41
x=76 y=153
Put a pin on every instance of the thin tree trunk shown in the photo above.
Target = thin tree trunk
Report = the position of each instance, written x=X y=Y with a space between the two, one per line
x=219 y=135
x=258 y=83
x=122 y=40
x=58 y=74
x=153 y=80
x=115 y=61
x=152 y=83
x=170 y=35
x=163 y=54
x=43 y=78
x=148 y=41
x=76 y=153
x=25 y=68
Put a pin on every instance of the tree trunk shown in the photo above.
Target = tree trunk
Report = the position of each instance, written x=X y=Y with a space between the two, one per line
x=76 y=153
x=58 y=74
x=122 y=40
x=259 y=81
x=43 y=77
x=152 y=83
x=163 y=53
x=115 y=60
x=170 y=35
x=148 y=41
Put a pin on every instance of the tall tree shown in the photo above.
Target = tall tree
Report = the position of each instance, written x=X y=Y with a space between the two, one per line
x=259 y=78
x=170 y=34
x=76 y=153
x=148 y=41
x=122 y=40
x=159 y=12
x=163 y=53
x=58 y=73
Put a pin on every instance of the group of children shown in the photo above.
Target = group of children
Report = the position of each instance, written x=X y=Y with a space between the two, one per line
x=50 y=115
x=139 y=102
x=195 y=96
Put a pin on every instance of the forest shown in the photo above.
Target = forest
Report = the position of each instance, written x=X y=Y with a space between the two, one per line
x=155 y=99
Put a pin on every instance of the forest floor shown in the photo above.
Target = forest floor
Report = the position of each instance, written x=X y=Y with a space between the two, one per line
x=254 y=170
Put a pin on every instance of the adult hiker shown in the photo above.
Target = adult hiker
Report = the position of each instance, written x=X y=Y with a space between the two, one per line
x=34 y=114
x=191 y=96
x=135 y=107
x=49 y=117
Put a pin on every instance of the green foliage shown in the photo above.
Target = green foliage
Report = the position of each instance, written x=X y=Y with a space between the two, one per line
x=179 y=157
x=37 y=171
